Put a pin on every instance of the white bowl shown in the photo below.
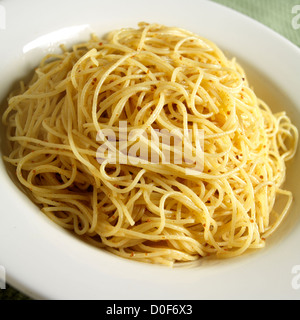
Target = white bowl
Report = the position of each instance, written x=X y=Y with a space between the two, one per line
x=46 y=262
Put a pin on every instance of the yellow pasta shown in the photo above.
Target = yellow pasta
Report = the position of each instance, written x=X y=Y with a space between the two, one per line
x=151 y=79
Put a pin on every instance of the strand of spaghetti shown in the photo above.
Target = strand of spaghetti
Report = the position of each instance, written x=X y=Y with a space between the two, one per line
x=98 y=87
x=272 y=229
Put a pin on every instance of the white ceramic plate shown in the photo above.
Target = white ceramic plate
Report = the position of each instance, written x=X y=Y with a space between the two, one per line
x=46 y=262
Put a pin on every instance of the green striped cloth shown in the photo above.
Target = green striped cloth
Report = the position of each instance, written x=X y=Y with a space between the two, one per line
x=276 y=14
x=283 y=16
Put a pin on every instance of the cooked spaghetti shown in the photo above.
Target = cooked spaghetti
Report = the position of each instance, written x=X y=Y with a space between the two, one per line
x=152 y=78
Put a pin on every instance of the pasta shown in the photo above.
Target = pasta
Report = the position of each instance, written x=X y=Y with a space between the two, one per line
x=65 y=139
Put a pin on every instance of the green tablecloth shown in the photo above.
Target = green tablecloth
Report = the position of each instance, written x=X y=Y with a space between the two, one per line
x=276 y=14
